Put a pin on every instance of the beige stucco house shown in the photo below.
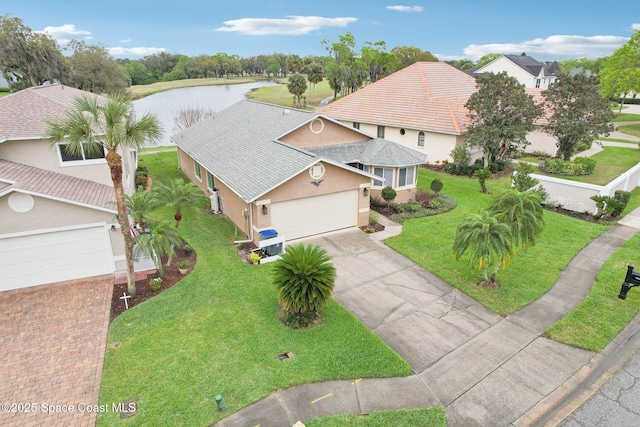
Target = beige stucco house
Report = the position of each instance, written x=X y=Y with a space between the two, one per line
x=297 y=172
x=422 y=108
x=58 y=212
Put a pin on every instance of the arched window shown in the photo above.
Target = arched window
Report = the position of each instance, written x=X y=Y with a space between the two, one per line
x=421 y=139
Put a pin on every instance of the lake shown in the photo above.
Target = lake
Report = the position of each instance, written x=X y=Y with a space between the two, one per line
x=167 y=104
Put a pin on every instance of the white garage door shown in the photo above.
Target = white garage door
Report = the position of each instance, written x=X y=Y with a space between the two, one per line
x=41 y=258
x=315 y=215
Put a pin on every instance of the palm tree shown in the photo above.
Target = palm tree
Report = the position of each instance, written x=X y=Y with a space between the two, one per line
x=140 y=204
x=177 y=193
x=297 y=86
x=304 y=278
x=158 y=243
x=488 y=242
x=314 y=75
x=522 y=213
x=107 y=126
x=483 y=175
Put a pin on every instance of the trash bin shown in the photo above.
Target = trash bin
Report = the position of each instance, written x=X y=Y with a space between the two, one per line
x=268 y=234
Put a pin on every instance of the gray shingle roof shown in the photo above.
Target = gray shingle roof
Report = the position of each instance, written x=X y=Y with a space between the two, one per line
x=239 y=146
x=533 y=66
x=377 y=151
x=57 y=185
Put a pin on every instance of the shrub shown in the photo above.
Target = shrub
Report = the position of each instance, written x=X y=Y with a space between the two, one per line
x=460 y=154
x=373 y=217
x=611 y=206
x=388 y=193
x=497 y=166
x=437 y=205
x=458 y=169
x=579 y=166
x=436 y=185
x=254 y=258
x=623 y=197
x=521 y=180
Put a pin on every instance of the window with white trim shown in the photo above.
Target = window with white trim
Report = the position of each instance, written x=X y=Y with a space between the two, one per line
x=198 y=170
x=363 y=167
x=386 y=173
x=406 y=176
x=356 y=125
x=421 y=139
x=89 y=151
x=380 y=131
x=211 y=182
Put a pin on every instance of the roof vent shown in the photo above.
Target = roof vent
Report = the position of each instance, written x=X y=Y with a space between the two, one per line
x=285 y=112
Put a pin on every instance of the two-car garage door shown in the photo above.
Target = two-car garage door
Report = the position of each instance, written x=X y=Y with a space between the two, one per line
x=35 y=259
x=315 y=215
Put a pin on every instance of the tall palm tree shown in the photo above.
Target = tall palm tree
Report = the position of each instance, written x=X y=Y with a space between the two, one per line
x=140 y=204
x=297 y=86
x=314 y=75
x=158 y=243
x=304 y=278
x=522 y=213
x=488 y=242
x=177 y=193
x=107 y=126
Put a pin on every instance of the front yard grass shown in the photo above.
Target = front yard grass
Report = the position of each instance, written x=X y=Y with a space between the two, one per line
x=601 y=316
x=633 y=130
x=280 y=95
x=432 y=417
x=624 y=117
x=217 y=331
x=428 y=241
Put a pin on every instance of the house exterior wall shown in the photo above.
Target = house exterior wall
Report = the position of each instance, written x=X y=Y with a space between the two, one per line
x=503 y=64
x=39 y=154
x=321 y=132
x=541 y=141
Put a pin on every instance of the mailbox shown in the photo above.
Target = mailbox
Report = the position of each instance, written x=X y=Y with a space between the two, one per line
x=631 y=280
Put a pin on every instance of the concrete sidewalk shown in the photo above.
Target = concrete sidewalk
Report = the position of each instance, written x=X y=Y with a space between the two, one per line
x=484 y=369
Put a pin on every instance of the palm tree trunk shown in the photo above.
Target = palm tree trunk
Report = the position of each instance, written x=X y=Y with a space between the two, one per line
x=115 y=166
x=484 y=274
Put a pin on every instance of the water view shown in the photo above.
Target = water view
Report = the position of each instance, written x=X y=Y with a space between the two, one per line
x=167 y=104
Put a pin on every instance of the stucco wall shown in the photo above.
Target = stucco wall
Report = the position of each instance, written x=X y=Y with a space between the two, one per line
x=541 y=141
x=503 y=64
x=40 y=154
x=321 y=132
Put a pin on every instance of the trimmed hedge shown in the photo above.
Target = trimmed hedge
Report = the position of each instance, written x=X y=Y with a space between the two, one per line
x=579 y=166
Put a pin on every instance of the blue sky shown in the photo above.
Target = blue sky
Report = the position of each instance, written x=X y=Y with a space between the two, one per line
x=448 y=29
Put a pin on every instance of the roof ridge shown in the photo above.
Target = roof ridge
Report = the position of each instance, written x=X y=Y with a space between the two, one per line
x=425 y=83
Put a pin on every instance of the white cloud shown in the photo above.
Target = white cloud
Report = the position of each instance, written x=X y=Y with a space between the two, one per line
x=126 y=41
x=635 y=26
x=409 y=9
x=135 y=51
x=553 y=47
x=64 y=33
x=289 y=26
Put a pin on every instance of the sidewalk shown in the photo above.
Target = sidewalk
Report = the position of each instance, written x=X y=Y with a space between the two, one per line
x=501 y=371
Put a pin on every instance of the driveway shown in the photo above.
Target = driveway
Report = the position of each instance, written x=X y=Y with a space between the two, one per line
x=419 y=315
x=52 y=346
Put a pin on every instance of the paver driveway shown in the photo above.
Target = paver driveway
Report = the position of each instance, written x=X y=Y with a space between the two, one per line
x=52 y=345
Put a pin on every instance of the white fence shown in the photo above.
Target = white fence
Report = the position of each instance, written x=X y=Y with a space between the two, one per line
x=576 y=196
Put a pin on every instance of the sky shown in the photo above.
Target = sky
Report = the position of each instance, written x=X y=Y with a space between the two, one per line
x=450 y=29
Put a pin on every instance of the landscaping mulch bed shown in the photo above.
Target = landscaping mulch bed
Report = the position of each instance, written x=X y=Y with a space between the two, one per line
x=143 y=292
x=376 y=226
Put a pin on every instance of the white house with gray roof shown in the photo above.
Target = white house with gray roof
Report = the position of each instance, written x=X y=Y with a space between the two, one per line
x=529 y=72
x=291 y=170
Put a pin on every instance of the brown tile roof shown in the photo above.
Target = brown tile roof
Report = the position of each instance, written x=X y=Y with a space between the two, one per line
x=426 y=95
x=56 y=185
x=24 y=114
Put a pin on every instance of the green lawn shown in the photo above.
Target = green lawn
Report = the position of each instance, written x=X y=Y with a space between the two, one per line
x=611 y=162
x=217 y=331
x=626 y=141
x=626 y=117
x=428 y=241
x=140 y=91
x=280 y=95
x=633 y=130
x=601 y=316
x=431 y=417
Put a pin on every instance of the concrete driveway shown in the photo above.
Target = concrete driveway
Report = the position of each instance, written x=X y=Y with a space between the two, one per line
x=419 y=315
x=52 y=346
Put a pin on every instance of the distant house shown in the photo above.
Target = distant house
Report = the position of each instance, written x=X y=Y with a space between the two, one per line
x=57 y=210
x=422 y=108
x=528 y=71
x=300 y=173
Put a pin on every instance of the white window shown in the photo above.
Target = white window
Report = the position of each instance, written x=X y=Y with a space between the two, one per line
x=198 y=171
x=421 y=139
x=386 y=173
x=538 y=83
x=380 y=131
x=90 y=152
x=211 y=182
x=406 y=176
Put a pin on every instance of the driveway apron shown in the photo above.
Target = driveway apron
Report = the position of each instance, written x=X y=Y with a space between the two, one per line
x=52 y=346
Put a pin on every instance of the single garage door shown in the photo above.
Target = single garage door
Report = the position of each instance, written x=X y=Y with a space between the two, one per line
x=36 y=259
x=315 y=215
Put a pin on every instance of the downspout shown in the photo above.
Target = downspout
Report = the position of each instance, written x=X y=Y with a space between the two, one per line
x=238 y=242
